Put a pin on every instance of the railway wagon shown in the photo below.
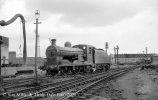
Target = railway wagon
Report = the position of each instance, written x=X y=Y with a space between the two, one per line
x=152 y=63
x=155 y=60
x=77 y=59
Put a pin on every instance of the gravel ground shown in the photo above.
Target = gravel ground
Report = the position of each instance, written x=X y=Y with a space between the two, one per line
x=136 y=85
x=148 y=89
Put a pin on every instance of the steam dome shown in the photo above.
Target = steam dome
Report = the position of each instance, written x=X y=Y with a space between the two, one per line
x=67 y=44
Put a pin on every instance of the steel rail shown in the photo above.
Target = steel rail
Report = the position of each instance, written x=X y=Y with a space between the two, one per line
x=66 y=86
x=57 y=86
x=80 y=90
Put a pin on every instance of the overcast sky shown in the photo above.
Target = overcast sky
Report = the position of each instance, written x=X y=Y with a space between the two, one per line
x=130 y=24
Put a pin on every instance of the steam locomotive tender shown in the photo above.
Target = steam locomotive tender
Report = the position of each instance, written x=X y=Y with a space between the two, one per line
x=76 y=59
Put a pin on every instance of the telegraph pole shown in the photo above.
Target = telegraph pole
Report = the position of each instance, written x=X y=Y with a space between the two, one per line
x=37 y=15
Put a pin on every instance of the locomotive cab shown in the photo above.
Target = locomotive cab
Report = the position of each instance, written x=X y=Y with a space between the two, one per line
x=96 y=58
x=88 y=53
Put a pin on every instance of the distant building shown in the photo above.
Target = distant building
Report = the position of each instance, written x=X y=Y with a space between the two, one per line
x=12 y=57
x=4 y=50
x=31 y=61
x=131 y=58
x=16 y=61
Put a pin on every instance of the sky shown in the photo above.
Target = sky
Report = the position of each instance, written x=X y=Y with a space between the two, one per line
x=130 y=24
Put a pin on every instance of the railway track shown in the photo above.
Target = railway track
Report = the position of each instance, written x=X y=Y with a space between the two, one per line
x=56 y=88
x=62 y=87
x=78 y=92
x=20 y=80
x=37 y=88
x=24 y=82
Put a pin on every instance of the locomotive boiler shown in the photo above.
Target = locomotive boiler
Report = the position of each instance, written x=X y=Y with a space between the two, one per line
x=76 y=59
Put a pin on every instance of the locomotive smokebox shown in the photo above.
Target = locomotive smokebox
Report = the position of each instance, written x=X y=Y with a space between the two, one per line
x=67 y=44
x=53 y=41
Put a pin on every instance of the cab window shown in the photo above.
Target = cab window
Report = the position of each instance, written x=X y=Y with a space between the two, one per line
x=90 y=50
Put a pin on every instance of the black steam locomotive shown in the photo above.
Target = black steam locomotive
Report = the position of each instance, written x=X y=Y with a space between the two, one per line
x=76 y=59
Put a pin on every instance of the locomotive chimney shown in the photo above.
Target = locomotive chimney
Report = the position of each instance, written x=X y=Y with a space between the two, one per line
x=53 y=41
